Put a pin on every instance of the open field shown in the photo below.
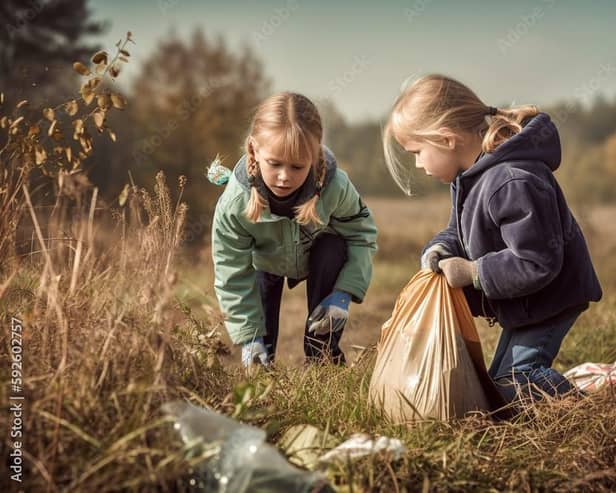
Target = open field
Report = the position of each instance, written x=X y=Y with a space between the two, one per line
x=405 y=225
x=109 y=336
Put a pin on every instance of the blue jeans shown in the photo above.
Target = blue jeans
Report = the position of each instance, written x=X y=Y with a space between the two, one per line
x=523 y=358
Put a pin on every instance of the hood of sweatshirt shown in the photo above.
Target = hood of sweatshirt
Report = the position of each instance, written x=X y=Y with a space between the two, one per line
x=538 y=141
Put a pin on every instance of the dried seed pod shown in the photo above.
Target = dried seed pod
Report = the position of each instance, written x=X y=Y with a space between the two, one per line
x=81 y=69
x=100 y=57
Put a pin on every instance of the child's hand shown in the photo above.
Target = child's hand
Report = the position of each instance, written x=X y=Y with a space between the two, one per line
x=331 y=314
x=458 y=271
x=254 y=351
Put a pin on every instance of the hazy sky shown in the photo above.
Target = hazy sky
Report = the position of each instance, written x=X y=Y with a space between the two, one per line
x=358 y=53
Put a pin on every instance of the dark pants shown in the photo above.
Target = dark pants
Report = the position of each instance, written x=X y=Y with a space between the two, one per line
x=327 y=257
x=523 y=358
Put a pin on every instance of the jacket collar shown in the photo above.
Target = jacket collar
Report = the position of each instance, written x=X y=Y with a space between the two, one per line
x=308 y=189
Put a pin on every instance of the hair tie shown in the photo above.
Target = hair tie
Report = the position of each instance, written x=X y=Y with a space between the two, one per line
x=492 y=110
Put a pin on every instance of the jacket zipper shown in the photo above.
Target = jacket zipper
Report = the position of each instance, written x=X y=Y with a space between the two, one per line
x=491 y=320
x=458 y=218
x=296 y=241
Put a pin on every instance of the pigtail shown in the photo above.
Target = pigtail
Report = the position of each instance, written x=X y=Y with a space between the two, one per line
x=307 y=212
x=257 y=202
x=504 y=124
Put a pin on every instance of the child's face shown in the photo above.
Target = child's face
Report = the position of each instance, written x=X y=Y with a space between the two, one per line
x=438 y=162
x=280 y=176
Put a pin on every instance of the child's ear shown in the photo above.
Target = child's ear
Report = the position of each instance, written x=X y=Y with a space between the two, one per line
x=450 y=137
x=451 y=142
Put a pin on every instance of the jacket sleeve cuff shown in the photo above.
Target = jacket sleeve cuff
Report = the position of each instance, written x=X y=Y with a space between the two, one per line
x=247 y=334
x=356 y=295
x=475 y=275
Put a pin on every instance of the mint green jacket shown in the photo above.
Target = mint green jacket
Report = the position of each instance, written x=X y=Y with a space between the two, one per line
x=281 y=246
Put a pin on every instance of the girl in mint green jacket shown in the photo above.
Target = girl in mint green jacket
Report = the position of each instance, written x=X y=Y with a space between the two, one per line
x=288 y=211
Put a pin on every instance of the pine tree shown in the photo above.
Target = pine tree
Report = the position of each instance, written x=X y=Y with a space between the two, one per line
x=39 y=39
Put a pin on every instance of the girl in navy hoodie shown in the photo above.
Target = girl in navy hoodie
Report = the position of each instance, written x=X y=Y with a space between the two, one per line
x=512 y=243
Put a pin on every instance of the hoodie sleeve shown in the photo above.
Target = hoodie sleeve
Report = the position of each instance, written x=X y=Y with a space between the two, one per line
x=526 y=213
x=235 y=277
x=448 y=237
x=353 y=220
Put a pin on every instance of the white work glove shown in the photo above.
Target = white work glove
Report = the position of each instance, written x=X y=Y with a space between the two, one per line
x=254 y=351
x=432 y=256
x=460 y=272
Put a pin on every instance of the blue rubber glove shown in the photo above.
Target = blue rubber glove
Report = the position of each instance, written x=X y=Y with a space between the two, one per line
x=331 y=314
x=254 y=351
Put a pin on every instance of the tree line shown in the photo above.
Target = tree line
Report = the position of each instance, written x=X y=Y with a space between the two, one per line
x=193 y=100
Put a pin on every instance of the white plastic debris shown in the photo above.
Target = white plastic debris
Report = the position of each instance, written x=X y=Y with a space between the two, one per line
x=303 y=444
x=361 y=445
x=591 y=377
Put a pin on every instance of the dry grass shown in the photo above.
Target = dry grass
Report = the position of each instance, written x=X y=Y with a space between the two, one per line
x=558 y=446
x=118 y=322
x=105 y=344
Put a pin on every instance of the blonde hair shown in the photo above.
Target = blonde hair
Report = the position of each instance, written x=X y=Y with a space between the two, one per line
x=435 y=102
x=292 y=123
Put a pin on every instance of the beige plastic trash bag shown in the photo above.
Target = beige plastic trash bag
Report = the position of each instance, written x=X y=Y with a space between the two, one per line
x=429 y=362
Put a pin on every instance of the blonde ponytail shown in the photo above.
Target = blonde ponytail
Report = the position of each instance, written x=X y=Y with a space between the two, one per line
x=505 y=124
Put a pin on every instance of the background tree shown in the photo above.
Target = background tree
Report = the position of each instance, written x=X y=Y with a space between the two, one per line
x=359 y=151
x=610 y=154
x=38 y=40
x=192 y=101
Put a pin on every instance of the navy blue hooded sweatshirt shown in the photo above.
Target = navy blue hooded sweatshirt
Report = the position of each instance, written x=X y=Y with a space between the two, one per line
x=510 y=215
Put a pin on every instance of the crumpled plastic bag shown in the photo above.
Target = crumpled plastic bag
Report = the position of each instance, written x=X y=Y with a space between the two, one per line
x=237 y=459
x=362 y=445
x=429 y=362
x=308 y=446
x=591 y=377
x=303 y=444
